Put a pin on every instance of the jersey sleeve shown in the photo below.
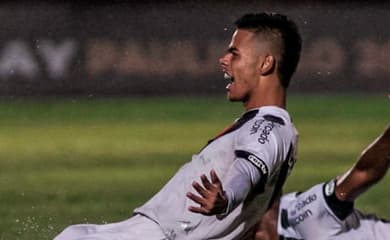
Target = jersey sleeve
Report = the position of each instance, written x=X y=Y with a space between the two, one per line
x=255 y=153
x=244 y=176
x=257 y=143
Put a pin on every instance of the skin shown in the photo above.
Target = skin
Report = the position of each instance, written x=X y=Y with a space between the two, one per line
x=212 y=199
x=251 y=63
x=371 y=166
x=267 y=227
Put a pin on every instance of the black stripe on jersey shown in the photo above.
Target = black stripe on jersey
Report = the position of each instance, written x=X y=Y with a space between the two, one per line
x=236 y=125
x=273 y=118
x=284 y=218
x=282 y=175
x=256 y=161
x=259 y=164
x=340 y=208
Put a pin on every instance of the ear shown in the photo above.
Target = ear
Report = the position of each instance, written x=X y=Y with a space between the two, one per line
x=268 y=65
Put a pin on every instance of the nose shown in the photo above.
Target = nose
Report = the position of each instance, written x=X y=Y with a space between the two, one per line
x=223 y=61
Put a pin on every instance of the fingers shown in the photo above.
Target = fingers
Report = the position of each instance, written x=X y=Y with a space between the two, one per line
x=195 y=198
x=214 y=177
x=200 y=189
x=200 y=210
x=203 y=207
x=203 y=192
x=205 y=181
x=209 y=195
x=215 y=182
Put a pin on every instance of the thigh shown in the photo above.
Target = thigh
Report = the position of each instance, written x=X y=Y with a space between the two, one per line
x=135 y=228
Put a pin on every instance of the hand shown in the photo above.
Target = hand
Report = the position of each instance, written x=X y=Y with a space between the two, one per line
x=212 y=199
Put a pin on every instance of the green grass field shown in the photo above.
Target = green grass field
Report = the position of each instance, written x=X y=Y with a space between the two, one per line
x=73 y=161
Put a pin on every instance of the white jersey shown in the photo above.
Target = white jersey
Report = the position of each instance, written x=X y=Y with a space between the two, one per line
x=317 y=214
x=265 y=137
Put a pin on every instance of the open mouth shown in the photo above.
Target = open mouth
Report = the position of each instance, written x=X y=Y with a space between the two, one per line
x=226 y=76
x=230 y=78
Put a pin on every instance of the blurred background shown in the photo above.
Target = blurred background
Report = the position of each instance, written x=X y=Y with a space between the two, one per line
x=172 y=47
x=99 y=98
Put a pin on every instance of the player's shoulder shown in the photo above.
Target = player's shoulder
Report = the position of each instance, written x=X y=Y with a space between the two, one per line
x=266 y=121
x=272 y=116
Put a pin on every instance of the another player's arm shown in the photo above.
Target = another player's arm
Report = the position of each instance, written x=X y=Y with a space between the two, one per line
x=372 y=166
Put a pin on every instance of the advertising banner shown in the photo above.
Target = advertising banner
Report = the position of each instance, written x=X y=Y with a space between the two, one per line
x=137 y=48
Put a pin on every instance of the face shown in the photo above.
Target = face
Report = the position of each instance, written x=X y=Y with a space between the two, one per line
x=239 y=65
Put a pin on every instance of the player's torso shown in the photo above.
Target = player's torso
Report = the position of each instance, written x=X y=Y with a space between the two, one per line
x=220 y=154
x=170 y=206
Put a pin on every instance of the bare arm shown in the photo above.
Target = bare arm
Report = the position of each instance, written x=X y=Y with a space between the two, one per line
x=372 y=166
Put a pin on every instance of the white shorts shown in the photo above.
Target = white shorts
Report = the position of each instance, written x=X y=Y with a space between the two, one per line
x=134 y=228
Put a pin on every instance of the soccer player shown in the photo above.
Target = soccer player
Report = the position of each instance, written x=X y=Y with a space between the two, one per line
x=326 y=210
x=248 y=162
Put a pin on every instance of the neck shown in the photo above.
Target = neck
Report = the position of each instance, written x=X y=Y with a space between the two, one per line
x=267 y=94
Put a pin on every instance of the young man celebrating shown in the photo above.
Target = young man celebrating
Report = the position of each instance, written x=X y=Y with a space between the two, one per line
x=248 y=162
x=326 y=211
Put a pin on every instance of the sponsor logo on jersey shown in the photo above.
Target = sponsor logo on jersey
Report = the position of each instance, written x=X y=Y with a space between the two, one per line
x=256 y=126
x=300 y=218
x=305 y=202
x=265 y=132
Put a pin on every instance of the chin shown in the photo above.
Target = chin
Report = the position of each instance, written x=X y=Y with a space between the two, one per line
x=233 y=98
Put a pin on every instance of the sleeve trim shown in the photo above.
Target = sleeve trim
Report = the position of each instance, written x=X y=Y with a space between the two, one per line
x=259 y=165
x=256 y=161
x=339 y=208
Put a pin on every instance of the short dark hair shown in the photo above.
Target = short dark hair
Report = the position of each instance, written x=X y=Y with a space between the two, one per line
x=291 y=41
